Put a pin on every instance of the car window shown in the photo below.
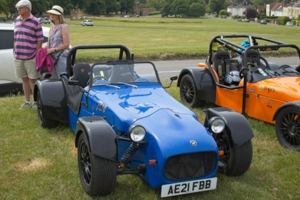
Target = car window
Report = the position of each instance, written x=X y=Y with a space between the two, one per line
x=105 y=73
x=6 y=39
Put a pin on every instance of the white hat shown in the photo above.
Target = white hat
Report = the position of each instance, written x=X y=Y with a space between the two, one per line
x=56 y=10
x=23 y=3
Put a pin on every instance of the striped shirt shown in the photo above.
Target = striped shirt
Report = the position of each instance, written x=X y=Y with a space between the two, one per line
x=27 y=34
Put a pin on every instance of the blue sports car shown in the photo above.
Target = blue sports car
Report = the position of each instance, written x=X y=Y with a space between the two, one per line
x=125 y=122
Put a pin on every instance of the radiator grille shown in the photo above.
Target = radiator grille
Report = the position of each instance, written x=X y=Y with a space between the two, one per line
x=188 y=166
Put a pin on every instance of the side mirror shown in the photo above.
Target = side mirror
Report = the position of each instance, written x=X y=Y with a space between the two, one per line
x=173 y=78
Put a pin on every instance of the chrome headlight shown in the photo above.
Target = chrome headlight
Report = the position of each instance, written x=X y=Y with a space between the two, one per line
x=216 y=125
x=137 y=133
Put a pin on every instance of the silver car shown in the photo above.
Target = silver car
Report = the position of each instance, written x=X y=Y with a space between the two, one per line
x=8 y=82
x=87 y=22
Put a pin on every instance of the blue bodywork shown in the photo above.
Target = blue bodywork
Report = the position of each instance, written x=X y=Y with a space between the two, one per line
x=102 y=102
x=170 y=126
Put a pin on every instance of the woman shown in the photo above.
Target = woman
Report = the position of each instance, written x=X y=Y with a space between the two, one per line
x=59 y=40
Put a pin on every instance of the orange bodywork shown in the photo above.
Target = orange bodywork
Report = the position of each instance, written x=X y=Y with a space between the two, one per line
x=263 y=97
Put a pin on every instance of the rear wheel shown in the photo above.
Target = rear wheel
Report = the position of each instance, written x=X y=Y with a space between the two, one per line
x=288 y=128
x=45 y=123
x=97 y=175
x=188 y=92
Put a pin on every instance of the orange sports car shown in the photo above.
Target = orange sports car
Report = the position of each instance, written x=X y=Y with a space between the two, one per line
x=237 y=75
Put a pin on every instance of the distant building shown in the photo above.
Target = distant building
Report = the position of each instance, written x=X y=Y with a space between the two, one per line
x=236 y=9
x=76 y=14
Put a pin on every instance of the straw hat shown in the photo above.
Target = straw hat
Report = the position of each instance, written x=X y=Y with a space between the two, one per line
x=56 y=10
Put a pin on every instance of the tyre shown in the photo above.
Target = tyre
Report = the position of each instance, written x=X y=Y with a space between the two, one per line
x=188 y=92
x=45 y=123
x=97 y=175
x=238 y=160
x=288 y=128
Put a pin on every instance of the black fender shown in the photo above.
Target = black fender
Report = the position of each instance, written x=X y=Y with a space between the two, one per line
x=101 y=136
x=237 y=127
x=289 y=104
x=204 y=82
x=54 y=99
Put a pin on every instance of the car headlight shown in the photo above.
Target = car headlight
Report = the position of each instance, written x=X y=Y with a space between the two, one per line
x=216 y=125
x=137 y=133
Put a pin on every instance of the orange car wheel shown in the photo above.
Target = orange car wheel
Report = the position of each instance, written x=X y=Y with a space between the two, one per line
x=188 y=92
x=288 y=128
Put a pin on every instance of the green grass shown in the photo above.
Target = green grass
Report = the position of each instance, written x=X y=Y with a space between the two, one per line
x=163 y=38
x=38 y=163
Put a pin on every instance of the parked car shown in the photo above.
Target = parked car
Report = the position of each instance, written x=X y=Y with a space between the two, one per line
x=263 y=21
x=248 y=84
x=289 y=23
x=9 y=84
x=243 y=20
x=125 y=122
x=45 y=21
x=126 y=16
x=87 y=23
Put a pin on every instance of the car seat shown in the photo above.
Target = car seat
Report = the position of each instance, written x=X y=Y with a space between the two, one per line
x=222 y=64
x=81 y=73
x=253 y=59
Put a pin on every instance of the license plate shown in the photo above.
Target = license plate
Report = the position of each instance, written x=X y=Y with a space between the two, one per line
x=188 y=187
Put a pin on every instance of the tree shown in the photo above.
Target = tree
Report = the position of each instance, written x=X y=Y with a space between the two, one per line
x=196 y=10
x=217 y=5
x=96 y=7
x=127 y=5
x=251 y=13
x=166 y=10
x=4 y=7
x=111 y=6
x=179 y=7
x=157 y=4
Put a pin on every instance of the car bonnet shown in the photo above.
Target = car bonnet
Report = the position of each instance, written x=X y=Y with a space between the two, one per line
x=130 y=104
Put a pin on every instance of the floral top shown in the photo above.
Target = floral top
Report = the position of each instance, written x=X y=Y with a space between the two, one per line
x=56 y=39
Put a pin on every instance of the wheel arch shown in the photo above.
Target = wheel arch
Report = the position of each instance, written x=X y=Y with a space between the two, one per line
x=203 y=80
x=54 y=99
x=237 y=127
x=101 y=137
x=286 y=105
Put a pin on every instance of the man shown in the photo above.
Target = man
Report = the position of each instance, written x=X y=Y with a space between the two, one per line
x=28 y=39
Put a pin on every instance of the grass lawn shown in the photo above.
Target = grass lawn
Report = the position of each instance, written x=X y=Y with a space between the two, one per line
x=39 y=163
x=163 y=38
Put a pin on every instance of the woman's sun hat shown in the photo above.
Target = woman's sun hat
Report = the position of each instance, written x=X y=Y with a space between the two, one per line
x=56 y=10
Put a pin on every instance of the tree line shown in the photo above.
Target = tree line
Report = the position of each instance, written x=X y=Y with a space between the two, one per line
x=183 y=8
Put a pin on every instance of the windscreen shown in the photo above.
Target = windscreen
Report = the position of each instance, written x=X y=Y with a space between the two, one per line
x=122 y=72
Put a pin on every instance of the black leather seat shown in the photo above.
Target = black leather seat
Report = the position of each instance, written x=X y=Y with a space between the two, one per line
x=222 y=64
x=253 y=59
x=81 y=73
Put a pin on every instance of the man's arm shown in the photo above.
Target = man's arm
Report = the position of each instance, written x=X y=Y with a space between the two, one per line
x=39 y=44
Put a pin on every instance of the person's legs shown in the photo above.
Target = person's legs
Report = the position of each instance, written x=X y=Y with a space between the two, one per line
x=33 y=75
x=59 y=68
x=20 y=72
x=26 y=88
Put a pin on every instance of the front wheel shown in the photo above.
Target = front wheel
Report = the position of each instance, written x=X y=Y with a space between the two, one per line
x=45 y=123
x=236 y=161
x=188 y=92
x=97 y=175
x=288 y=128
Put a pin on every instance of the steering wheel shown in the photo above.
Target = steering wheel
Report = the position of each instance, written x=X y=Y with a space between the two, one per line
x=99 y=77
